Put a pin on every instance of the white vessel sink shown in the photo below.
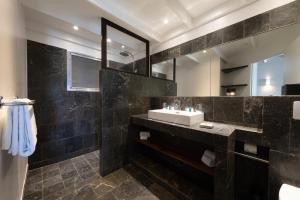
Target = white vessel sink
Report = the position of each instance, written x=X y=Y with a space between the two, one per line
x=177 y=116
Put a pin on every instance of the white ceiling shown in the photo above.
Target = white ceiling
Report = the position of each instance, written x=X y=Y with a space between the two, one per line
x=145 y=17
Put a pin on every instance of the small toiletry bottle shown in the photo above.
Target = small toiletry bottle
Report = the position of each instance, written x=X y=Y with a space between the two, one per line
x=165 y=106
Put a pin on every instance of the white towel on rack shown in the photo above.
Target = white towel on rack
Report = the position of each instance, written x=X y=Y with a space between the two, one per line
x=13 y=149
x=6 y=126
x=28 y=140
x=19 y=128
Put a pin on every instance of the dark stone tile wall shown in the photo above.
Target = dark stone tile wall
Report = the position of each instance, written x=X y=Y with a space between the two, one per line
x=257 y=24
x=233 y=32
x=122 y=96
x=284 y=168
x=284 y=15
x=281 y=133
x=246 y=111
x=224 y=107
x=67 y=122
x=276 y=18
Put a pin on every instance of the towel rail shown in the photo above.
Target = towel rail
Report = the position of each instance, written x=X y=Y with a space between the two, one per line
x=15 y=103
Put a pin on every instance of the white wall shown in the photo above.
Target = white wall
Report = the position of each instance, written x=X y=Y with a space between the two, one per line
x=199 y=79
x=215 y=75
x=272 y=70
x=237 y=77
x=292 y=64
x=12 y=83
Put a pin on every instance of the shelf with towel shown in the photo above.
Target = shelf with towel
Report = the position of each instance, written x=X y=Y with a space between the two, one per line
x=15 y=103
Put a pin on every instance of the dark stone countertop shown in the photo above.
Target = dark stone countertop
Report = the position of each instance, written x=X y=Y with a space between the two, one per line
x=209 y=136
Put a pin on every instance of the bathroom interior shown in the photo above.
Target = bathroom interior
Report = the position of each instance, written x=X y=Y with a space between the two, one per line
x=150 y=99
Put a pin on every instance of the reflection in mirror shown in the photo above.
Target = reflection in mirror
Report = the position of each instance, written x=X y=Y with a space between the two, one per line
x=198 y=74
x=164 y=70
x=125 y=53
x=267 y=64
x=262 y=65
x=267 y=76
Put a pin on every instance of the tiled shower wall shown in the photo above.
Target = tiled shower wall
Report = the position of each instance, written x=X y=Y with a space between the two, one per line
x=281 y=133
x=68 y=122
x=122 y=96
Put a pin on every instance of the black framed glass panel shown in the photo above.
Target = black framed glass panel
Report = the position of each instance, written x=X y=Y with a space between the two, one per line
x=124 y=50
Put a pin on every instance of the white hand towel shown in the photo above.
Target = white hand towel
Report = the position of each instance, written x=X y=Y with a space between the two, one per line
x=6 y=126
x=14 y=146
x=18 y=128
x=28 y=140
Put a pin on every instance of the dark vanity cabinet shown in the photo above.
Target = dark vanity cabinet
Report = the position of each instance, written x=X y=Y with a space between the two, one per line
x=251 y=173
x=172 y=155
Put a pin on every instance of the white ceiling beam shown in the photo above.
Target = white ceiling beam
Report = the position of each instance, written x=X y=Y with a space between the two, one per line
x=181 y=12
x=124 y=16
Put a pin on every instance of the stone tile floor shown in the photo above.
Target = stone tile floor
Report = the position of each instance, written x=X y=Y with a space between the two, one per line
x=78 y=179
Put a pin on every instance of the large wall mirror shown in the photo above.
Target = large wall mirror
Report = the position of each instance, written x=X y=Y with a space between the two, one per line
x=267 y=64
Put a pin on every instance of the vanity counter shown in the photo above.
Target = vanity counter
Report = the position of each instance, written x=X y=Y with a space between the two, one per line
x=205 y=135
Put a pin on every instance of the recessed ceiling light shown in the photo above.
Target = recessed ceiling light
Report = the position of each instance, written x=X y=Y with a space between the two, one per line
x=204 y=51
x=123 y=46
x=166 y=21
x=75 y=28
x=266 y=60
x=108 y=40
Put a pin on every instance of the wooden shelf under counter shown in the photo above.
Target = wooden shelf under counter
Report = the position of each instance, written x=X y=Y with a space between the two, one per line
x=184 y=157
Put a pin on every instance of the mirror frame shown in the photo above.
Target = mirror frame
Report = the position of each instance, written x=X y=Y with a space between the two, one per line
x=104 y=23
x=174 y=71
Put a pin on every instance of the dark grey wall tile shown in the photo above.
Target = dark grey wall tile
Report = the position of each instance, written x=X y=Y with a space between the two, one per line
x=174 y=52
x=167 y=100
x=284 y=168
x=198 y=44
x=214 y=38
x=233 y=32
x=155 y=103
x=207 y=106
x=63 y=118
x=125 y=95
x=186 y=48
x=183 y=102
x=277 y=113
x=228 y=109
x=295 y=137
x=253 y=111
x=257 y=24
x=285 y=15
